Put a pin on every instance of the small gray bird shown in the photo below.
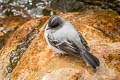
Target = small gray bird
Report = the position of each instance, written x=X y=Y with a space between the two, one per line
x=62 y=37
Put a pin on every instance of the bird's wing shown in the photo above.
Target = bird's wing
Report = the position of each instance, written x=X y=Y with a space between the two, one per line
x=83 y=41
x=65 y=46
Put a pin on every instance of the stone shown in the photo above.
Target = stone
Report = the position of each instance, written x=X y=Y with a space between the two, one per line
x=38 y=61
x=8 y=25
x=84 y=5
x=17 y=44
x=63 y=74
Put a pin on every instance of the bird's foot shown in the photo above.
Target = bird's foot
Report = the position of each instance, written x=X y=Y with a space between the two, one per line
x=60 y=54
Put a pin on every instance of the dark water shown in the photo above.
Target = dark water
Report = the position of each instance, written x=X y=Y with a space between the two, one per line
x=14 y=13
x=24 y=8
x=83 y=5
x=37 y=8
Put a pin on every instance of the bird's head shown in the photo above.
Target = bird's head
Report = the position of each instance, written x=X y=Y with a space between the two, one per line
x=55 y=22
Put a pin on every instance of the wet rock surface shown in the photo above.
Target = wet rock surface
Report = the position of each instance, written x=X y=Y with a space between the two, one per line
x=83 y=5
x=33 y=59
x=8 y=25
x=23 y=8
x=37 y=8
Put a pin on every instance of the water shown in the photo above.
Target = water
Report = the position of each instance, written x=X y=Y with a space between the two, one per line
x=24 y=8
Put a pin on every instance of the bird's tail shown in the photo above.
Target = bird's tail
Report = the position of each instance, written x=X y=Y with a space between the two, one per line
x=90 y=59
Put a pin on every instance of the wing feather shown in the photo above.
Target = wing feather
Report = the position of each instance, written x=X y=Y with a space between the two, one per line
x=83 y=41
x=65 y=46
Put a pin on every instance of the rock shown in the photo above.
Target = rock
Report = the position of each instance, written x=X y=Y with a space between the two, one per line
x=83 y=5
x=101 y=25
x=24 y=8
x=17 y=44
x=50 y=11
x=42 y=60
x=100 y=29
x=1 y=34
x=8 y=25
x=63 y=74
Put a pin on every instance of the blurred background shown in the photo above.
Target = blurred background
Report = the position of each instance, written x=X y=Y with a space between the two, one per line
x=38 y=8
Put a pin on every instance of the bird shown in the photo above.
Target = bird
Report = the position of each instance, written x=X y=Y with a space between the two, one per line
x=62 y=37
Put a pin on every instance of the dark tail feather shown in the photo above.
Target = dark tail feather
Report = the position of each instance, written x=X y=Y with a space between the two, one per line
x=90 y=59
